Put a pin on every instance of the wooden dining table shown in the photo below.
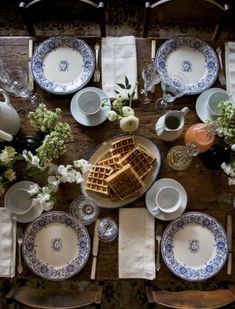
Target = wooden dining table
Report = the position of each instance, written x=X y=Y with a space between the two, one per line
x=208 y=191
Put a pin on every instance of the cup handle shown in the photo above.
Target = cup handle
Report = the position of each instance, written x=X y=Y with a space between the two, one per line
x=104 y=101
x=155 y=209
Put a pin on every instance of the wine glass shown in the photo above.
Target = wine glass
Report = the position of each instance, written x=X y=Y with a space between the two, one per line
x=173 y=86
x=14 y=79
x=150 y=78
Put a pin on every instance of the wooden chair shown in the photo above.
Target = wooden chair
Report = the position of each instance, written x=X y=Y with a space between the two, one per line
x=194 y=12
x=192 y=299
x=55 y=298
x=32 y=11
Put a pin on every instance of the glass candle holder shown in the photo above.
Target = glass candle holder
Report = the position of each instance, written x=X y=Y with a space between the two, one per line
x=107 y=229
x=84 y=210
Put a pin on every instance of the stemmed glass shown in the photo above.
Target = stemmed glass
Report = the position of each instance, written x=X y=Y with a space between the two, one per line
x=173 y=86
x=150 y=78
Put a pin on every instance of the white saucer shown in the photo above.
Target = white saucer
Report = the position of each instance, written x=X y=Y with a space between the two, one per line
x=96 y=119
x=201 y=104
x=151 y=194
x=33 y=213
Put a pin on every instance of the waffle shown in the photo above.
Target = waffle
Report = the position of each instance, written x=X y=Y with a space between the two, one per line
x=96 y=179
x=122 y=146
x=111 y=162
x=125 y=182
x=140 y=160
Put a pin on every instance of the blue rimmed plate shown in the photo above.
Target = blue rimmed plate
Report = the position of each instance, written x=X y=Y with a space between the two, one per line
x=62 y=65
x=191 y=57
x=194 y=246
x=56 y=246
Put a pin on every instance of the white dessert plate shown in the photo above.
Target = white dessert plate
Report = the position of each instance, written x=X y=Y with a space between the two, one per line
x=191 y=57
x=102 y=152
x=93 y=120
x=201 y=104
x=194 y=246
x=56 y=246
x=63 y=65
x=151 y=195
x=33 y=213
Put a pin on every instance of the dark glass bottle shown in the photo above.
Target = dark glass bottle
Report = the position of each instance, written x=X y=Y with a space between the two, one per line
x=216 y=155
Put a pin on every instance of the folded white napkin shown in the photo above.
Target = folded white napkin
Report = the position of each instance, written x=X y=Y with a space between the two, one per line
x=7 y=244
x=118 y=58
x=136 y=244
x=230 y=67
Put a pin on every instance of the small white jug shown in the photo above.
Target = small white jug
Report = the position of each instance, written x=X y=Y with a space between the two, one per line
x=170 y=126
x=9 y=119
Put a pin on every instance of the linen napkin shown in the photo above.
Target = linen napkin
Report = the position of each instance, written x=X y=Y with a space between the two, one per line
x=7 y=244
x=230 y=67
x=118 y=58
x=136 y=244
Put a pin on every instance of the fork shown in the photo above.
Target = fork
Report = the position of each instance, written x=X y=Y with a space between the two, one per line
x=158 y=239
x=19 y=240
x=221 y=74
x=97 y=70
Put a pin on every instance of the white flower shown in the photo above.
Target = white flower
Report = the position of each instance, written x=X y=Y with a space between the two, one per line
x=52 y=169
x=7 y=155
x=129 y=124
x=34 y=189
x=63 y=170
x=48 y=205
x=10 y=174
x=82 y=164
x=117 y=105
x=119 y=97
x=54 y=182
x=231 y=181
x=2 y=190
x=32 y=159
x=112 y=116
x=127 y=111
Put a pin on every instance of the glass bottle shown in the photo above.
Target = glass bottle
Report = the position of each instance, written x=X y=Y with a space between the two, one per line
x=202 y=135
x=180 y=157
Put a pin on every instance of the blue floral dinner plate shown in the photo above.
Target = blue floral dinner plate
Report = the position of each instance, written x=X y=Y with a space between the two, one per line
x=62 y=65
x=194 y=246
x=56 y=246
x=191 y=57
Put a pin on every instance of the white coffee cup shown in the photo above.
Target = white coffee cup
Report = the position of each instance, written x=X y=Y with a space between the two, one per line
x=89 y=103
x=214 y=100
x=19 y=202
x=168 y=200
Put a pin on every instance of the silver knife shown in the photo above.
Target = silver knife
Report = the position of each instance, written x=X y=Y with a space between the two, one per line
x=95 y=249
x=30 y=74
x=229 y=235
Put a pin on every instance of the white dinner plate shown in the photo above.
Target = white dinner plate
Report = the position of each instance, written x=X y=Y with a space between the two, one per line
x=201 y=104
x=33 y=213
x=191 y=57
x=56 y=246
x=151 y=195
x=102 y=152
x=194 y=246
x=93 y=120
x=62 y=65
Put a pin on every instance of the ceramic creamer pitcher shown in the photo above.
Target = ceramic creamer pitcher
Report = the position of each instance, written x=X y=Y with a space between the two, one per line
x=9 y=118
x=170 y=126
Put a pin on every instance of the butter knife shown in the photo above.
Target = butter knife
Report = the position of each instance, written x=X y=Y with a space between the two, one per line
x=229 y=235
x=158 y=239
x=95 y=249
x=30 y=74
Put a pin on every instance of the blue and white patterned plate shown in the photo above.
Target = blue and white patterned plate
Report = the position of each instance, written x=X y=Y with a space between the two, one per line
x=194 y=246
x=56 y=246
x=191 y=57
x=62 y=65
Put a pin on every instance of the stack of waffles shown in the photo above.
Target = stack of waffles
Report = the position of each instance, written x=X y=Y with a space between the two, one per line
x=121 y=174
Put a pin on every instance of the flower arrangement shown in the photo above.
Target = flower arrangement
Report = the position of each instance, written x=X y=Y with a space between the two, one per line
x=8 y=156
x=122 y=110
x=229 y=169
x=57 y=132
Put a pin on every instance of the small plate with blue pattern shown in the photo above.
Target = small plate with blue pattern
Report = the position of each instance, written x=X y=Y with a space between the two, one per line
x=63 y=65
x=194 y=246
x=56 y=246
x=191 y=57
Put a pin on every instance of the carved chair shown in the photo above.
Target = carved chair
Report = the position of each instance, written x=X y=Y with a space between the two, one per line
x=194 y=12
x=32 y=11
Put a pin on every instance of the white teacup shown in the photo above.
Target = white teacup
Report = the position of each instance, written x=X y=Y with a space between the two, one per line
x=89 y=103
x=19 y=202
x=168 y=200
x=213 y=101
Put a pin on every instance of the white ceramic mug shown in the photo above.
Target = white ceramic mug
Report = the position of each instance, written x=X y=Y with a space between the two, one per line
x=19 y=202
x=168 y=200
x=89 y=103
x=213 y=101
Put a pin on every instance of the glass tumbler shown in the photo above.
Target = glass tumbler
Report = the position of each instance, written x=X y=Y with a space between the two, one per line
x=84 y=210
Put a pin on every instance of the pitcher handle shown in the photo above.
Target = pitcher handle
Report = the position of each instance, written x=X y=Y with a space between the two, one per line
x=6 y=97
x=184 y=110
x=6 y=136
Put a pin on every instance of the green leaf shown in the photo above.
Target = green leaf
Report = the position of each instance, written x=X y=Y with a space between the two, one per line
x=128 y=87
x=121 y=86
x=127 y=82
x=116 y=91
